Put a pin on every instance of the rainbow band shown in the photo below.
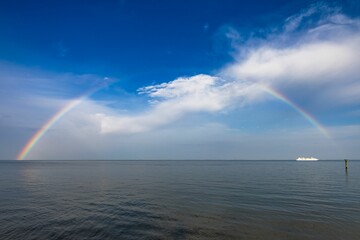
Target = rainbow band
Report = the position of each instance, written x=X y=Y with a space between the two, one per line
x=306 y=115
x=72 y=104
x=40 y=133
x=68 y=107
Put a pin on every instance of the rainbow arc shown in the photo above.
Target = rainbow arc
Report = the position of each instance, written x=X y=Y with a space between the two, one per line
x=55 y=118
x=72 y=104
x=290 y=103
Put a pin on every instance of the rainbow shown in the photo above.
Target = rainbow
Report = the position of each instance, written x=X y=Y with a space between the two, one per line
x=306 y=115
x=57 y=116
x=40 y=133
x=72 y=104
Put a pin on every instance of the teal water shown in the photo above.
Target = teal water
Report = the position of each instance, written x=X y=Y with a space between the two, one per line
x=179 y=200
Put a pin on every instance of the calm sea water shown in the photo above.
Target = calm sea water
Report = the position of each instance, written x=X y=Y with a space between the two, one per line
x=179 y=200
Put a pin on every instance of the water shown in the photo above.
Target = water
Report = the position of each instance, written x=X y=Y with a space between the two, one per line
x=179 y=200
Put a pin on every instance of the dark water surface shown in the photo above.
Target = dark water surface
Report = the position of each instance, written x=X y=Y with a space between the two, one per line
x=179 y=200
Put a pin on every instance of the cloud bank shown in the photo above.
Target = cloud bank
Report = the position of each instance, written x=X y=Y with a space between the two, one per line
x=172 y=100
x=317 y=49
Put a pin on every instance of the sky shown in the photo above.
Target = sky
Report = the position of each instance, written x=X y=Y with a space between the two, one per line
x=179 y=80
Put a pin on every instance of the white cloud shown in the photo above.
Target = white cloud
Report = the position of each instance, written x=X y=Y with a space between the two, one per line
x=316 y=62
x=325 y=55
x=200 y=93
x=323 y=58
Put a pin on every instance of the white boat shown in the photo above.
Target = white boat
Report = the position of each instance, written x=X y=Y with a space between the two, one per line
x=306 y=159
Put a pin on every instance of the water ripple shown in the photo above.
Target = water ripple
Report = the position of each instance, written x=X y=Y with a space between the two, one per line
x=179 y=200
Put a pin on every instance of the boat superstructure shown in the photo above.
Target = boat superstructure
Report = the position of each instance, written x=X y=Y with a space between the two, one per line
x=306 y=159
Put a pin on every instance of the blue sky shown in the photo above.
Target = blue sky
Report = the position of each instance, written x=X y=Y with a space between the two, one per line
x=179 y=80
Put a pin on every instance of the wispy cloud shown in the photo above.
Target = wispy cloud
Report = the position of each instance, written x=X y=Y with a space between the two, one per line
x=29 y=96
